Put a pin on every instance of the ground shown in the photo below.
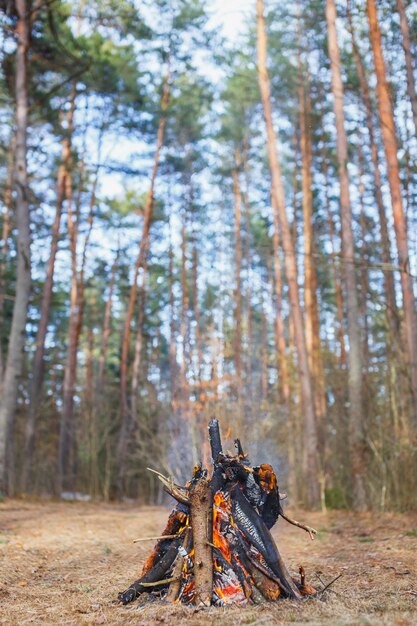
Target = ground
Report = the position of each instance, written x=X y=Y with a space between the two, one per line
x=64 y=563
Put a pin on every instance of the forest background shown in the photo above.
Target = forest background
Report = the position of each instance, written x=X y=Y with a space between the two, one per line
x=199 y=223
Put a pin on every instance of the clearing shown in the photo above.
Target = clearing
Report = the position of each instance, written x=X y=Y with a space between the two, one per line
x=64 y=563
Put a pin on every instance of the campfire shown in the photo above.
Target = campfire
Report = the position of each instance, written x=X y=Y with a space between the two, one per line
x=217 y=548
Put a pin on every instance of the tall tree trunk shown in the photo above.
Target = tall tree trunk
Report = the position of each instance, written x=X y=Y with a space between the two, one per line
x=237 y=193
x=172 y=346
x=122 y=443
x=66 y=447
x=36 y=383
x=184 y=325
x=106 y=328
x=264 y=351
x=310 y=432
x=310 y=275
x=196 y=307
x=356 y=427
x=364 y=279
x=138 y=348
x=411 y=85
x=392 y=313
x=247 y=256
x=390 y=146
x=14 y=361
x=6 y=226
x=337 y=270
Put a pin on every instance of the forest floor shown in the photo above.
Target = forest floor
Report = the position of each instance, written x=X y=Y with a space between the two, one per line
x=64 y=563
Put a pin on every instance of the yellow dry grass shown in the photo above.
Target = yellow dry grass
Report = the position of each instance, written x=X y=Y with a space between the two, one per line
x=63 y=563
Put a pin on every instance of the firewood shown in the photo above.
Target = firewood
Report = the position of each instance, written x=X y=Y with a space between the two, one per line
x=153 y=576
x=216 y=547
x=201 y=506
x=175 y=586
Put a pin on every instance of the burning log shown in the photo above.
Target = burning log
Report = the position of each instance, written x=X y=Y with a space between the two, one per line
x=217 y=547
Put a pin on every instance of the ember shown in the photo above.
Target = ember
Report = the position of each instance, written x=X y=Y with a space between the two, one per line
x=217 y=547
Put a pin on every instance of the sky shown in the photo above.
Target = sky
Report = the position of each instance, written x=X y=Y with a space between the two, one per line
x=229 y=15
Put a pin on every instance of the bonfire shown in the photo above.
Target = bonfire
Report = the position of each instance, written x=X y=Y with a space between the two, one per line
x=217 y=548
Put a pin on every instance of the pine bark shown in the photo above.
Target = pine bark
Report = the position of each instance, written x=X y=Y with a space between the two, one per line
x=14 y=362
x=390 y=146
x=310 y=430
x=356 y=427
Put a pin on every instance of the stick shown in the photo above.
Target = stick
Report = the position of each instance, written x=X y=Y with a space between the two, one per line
x=170 y=487
x=201 y=499
x=330 y=583
x=311 y=531
x=166 y=581
x=154 y=538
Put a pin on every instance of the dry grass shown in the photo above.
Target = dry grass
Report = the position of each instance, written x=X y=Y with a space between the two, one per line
x=64 y=564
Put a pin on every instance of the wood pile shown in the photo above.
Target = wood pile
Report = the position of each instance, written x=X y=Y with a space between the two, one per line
x=217 y=548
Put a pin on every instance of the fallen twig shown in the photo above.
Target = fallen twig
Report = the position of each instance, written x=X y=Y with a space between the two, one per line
x=330 y=584
x=311 y=531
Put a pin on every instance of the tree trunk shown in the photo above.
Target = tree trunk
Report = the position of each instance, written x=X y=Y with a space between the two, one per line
x=138 y=348
x=66 y=449
x=122 y=443
x=5 y=245
x=392 y=312
x=36 y=383
x=310 y=432
x=237 y=193
x=247 y=256
x=106 y=327
x=411 y=85
x=337 y=271
x=172 y=346
x=356 y=430
x=364 y=279
x=400 y=227
x=14 y=361
x=196 y=307
x=310 y=275
x=264 y=352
